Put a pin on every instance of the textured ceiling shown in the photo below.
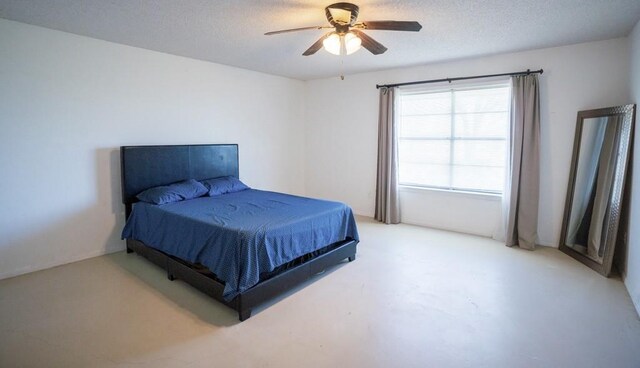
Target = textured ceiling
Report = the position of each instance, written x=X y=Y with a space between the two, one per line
x=231 y=32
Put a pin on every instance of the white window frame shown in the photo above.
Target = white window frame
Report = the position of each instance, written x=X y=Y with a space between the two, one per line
x=495 y=83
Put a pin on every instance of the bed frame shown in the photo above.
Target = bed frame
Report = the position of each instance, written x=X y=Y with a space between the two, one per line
x=145 y=167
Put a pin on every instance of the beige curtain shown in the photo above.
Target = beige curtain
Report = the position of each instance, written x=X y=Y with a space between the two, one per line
x=522 y=191
x=387 y=203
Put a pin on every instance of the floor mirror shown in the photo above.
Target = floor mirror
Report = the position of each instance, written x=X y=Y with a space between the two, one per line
x=601 y=153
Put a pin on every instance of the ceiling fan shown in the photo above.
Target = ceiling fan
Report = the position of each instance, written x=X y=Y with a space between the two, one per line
x=348 y=37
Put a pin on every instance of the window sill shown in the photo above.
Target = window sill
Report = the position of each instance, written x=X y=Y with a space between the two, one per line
x=457 y=193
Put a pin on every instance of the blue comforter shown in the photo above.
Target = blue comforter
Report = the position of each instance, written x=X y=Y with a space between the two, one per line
x=240 y=235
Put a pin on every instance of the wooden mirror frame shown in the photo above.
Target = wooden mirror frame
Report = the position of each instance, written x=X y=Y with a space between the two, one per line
x=614 y=209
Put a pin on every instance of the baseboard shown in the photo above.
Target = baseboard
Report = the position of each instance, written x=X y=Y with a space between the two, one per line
x=635 y=299
x=443 y=228
x=40 y=267
x=362 y=213
x=636 y=303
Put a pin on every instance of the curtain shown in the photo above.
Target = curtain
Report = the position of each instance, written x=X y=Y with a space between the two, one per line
x=387 y=203
x=522 y=191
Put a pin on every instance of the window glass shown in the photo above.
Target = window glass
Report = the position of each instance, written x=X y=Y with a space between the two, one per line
x=454 y=139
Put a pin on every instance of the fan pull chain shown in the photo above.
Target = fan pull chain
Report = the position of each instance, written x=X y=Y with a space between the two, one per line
x=341 y=67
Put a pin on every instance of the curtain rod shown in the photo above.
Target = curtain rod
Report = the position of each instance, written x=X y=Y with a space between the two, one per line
x=527 y=72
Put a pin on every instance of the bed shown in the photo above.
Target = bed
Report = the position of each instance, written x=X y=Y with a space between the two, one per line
x=241 y=248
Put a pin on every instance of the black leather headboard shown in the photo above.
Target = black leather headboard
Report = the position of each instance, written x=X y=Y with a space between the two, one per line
x=144 y=167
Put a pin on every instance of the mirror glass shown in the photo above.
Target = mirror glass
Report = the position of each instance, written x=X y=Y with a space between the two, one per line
x=596 y=185
x=592 y=187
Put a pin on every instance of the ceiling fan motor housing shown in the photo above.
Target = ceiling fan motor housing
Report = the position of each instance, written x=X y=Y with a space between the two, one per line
x=339 y=17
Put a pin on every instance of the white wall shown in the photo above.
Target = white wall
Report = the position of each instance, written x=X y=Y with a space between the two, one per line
x=632 y=269
x=341 y=126
x=462 y=212
x=68 y=102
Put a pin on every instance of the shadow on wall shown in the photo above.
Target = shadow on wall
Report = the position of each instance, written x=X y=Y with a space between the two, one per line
x=620 y=254
x=110 y=193
x=109 y=185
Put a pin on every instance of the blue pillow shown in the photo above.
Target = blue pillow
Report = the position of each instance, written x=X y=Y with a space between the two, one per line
x=176 y=192
x=224 y=185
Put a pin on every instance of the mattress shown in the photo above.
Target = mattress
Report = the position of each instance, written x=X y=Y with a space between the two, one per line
x=241 y=235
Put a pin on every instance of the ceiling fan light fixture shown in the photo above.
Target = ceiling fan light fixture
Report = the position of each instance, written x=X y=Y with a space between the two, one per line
x=345 y=44
x=352 y=43
x=332 y=43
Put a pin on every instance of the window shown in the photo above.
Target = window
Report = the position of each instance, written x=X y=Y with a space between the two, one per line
x=454 y=139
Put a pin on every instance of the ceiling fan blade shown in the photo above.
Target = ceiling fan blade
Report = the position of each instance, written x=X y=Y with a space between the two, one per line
x=369 y=43
x=294 y=30
x=392 y=25
x=315 y=47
